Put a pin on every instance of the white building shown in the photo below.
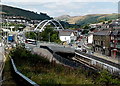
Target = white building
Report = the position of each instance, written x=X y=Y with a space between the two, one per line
x=67 y=36
x=90 y=38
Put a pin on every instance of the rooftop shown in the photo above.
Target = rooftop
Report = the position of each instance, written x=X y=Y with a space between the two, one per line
x=104 y=32
x=64 y=33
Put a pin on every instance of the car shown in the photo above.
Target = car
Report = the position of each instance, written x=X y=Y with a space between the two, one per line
x=13 y=45
x=79 y=48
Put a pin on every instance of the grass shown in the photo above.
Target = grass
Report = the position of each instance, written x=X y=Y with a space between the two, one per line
x=55 y=75
x=40 y=70
x=7 y=74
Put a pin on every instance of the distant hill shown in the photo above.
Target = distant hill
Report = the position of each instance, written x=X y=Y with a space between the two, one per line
x=63 y=17
x=87 y=19
x=13 y=11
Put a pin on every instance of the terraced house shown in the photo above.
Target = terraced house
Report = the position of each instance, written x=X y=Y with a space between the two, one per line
x=115 y=43
x=101 y=42
x=107 y=42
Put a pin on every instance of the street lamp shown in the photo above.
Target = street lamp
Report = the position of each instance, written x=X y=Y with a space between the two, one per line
x=49 y=37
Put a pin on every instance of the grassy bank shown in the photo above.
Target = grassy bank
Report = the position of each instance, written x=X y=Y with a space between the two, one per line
x=7 y=74
x=40 y=70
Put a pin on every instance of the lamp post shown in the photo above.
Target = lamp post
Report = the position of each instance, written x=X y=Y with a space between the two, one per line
x=49 y=37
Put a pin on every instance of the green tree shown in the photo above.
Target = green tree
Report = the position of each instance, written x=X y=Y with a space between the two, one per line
x=85 y=31
x=107 y=79
x=45 y=34
x=31 y=35
x=86 y=27
x=54 y=37
x=50 y=33
x=109 y=21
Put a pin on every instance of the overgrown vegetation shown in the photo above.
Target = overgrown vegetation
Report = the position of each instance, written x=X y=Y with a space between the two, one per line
x=8 y=79
x=105 y=78
x=40 y=70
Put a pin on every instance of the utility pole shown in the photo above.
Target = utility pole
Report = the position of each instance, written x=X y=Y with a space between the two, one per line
x=49 y=37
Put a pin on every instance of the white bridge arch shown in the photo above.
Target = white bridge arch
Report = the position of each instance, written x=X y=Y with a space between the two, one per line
x=45 y=23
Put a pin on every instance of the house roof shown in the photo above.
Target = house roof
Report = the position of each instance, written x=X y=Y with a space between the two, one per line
x=108 y=32
x=115 y=32
x=104 y=32
x=64 y=33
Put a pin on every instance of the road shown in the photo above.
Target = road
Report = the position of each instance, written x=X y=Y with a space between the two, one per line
x=53 y=46
x=1 y=61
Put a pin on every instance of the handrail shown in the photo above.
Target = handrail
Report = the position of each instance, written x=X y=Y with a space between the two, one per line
x=29 y=81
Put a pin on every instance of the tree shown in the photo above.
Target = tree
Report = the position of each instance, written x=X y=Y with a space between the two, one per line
x=49 y=32
x=46 y=35
x=86 y=27
x=31 y=35
x=107 y=79
x=85 y=31
x=109 y=21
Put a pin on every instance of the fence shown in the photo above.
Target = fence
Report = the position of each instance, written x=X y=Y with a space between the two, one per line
x=20 y=78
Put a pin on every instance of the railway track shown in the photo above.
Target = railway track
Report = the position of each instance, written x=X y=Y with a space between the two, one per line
x=84 y=63
x=97 y=63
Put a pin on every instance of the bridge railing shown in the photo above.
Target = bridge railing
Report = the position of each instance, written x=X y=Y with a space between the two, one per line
x=20 y=78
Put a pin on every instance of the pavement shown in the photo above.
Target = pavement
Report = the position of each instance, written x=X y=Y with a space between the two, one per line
x=115 y=60
x=58 y=48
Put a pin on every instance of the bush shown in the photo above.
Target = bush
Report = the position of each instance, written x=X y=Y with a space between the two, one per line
x=107 y=79
x=23 y=56
x=40 y=70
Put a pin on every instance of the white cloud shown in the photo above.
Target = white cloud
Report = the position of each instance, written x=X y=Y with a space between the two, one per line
x=60 y=8
x=100 y=11
x=60 y=1
x=63 y=8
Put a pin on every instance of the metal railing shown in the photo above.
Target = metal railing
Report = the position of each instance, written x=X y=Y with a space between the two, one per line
x=20 y=77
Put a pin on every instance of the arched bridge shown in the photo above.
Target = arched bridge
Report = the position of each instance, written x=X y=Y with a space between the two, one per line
x=45 y=22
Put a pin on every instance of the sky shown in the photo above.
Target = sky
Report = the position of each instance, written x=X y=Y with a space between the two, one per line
x=55 y=8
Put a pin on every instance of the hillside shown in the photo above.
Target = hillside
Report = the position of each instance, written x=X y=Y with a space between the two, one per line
x=87 y=19
x=63 y=17
x=13 y=11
